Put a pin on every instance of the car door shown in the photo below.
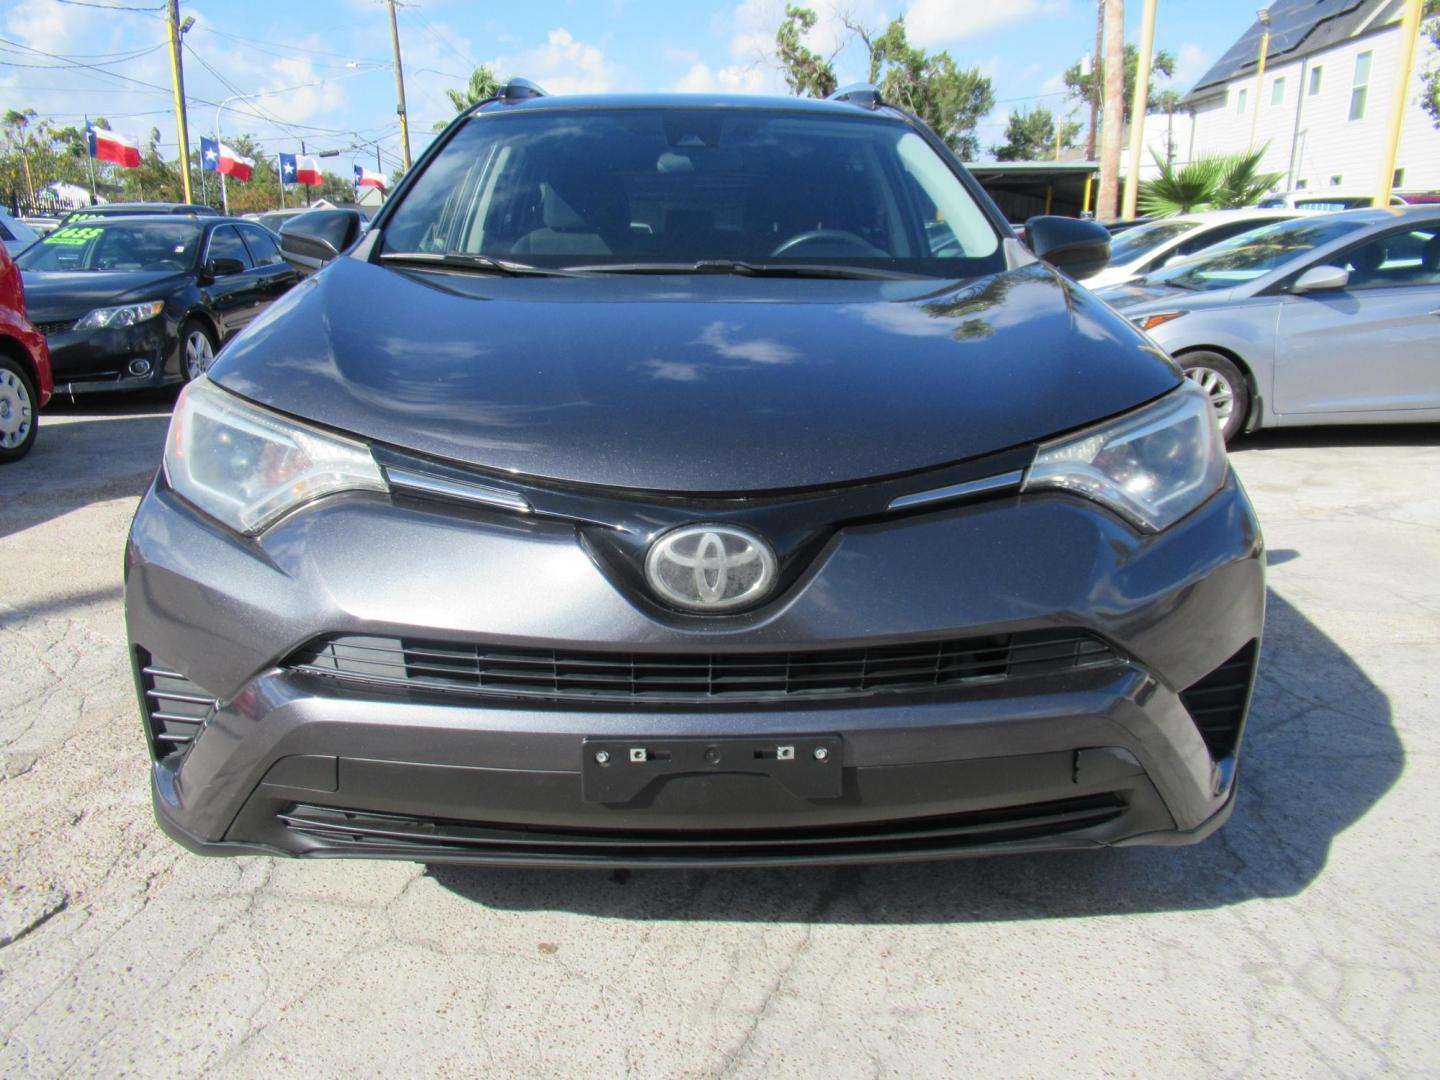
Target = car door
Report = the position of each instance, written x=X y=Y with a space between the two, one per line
x=275 y=274
x=234 y=298
x=1372 y=347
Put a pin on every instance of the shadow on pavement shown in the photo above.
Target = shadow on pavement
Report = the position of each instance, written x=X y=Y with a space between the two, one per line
x=1319 y=753
x=1340 y=435
x=96 y=450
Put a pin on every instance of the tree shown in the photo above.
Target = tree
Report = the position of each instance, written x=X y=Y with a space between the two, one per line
x=1169 y=103
x=1430 y=80
x=1030 y=136
x=17 y=124
x=806 y=72
x=1213 y=182
x=1081 y=86
x=951 y=100
x=482 y=86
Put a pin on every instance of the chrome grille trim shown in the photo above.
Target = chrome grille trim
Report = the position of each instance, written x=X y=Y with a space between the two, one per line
x=985 y=485
x=455 y=489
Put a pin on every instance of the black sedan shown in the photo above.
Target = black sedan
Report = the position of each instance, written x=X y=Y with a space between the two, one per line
x=140 y=302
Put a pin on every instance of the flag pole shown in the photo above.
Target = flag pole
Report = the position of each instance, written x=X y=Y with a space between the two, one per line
x=280 y=176
x=90 y=160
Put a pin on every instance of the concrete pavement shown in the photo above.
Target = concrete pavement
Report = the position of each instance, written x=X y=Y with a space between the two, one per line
x=1302 y=940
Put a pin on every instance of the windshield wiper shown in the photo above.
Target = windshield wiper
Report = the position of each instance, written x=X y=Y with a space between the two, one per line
x=464 y=260
x=748 y=269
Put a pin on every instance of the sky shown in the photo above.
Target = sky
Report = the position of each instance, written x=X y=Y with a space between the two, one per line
x=320 y=70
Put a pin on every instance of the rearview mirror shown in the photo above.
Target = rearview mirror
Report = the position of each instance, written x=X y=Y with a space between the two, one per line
x=218 y=268
x=1078 y=248
x=312 y=239
x=1321 y=279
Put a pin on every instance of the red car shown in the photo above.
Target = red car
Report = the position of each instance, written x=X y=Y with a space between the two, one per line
x=25 y=382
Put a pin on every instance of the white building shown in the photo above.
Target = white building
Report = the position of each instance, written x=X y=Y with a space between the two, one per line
x=1323 y=103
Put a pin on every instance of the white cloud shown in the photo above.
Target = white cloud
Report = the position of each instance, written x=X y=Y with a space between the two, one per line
x=563 y=65
x=931 y=23
x=732 y=79
x=1191 y=62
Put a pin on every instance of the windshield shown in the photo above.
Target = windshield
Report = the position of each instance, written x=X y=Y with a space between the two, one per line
x=681 y=186
x=1138 y=242
x=115 y=247
x=1253 y=254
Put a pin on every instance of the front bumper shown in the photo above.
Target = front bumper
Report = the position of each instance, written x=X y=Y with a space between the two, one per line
x=96 y=361
x=289 y=763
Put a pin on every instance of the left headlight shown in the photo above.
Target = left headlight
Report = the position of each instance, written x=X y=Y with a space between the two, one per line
x=126 y=315
x=248 y=467
x=1152 y=466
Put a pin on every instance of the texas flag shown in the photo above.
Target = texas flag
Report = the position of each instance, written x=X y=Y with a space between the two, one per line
x=300 y=170
x=209 y=154
x=109 y=146
x=232 y=164
x=366 y=178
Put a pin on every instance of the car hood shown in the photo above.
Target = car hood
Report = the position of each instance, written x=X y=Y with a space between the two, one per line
x=56 y=296
x=693 y=383
x=1137 y=297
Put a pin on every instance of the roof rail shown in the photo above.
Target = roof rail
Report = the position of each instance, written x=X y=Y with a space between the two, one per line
x=519 y=90
x=865 y=95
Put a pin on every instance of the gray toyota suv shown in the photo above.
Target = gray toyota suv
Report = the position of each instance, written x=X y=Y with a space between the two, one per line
x=680 y=481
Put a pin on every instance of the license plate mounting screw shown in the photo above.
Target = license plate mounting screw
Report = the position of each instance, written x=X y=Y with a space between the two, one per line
x=821 y=754
x=602 y=757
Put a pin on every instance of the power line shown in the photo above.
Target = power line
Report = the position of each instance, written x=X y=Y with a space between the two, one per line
x=293 y=48
x=113 y=7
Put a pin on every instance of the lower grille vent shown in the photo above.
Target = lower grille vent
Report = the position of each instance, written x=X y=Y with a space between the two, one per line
x=1218 y=702
x=175 y=708
x=682 y=677
x=378 y=834
x=48 y=328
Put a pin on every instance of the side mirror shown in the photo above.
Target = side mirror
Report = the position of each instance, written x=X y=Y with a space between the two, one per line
x=1321 y=279
x=310 y=240
x=218 y=268
x=1078 y=248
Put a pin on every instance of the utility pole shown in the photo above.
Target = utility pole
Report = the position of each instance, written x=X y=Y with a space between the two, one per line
x=1260 y=73
x=177 y=80
x=1409 y=37
x=1096 y=66
x=1138 y=110
x=1108 y=205
x=399 y=88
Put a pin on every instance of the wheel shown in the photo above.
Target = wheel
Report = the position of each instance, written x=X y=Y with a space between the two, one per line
x=18 y=422
x=1225 y=384
x=832 y=237
x=197 y=349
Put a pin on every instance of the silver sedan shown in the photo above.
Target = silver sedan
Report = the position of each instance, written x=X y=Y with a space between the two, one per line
x=1320 y=320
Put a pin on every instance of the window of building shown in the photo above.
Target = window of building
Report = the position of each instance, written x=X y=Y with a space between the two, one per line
x=1398 y=180
x=1240 y=99
x=1360 y=89
x=1315 y=76
x=1336 y=181
x=1277 y=91
x=1301 y=185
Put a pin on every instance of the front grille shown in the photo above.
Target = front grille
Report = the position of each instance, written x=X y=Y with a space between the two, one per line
x=48 y=328
x=1217 y=703
x=698 y=677
x=377 y=834
x=175 y=708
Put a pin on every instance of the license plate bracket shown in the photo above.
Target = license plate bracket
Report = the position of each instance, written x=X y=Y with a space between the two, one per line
x=617 y=770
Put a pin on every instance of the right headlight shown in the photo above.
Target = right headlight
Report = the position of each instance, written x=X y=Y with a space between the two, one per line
x=249 y=467
x=1152 y=466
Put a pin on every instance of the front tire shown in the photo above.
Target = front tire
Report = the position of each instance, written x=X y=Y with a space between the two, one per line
x=1224 y=383
x=18 y=422
x=197 y=349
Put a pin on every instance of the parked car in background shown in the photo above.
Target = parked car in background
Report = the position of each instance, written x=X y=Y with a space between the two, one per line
x=24 y=367
x=131 y=209
x=651 y=485
x=1324 y=200
x=1150 y=246
x=41 y=223
x=273 y=219
x=1320 y=320
x=15 y=234
x=139 y=302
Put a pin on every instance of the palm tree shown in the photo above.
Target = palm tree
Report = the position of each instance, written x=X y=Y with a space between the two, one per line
x=16 y=124
x=1213 y=182
x=482 y=86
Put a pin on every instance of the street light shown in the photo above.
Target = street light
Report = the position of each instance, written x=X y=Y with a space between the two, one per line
x=224 y=197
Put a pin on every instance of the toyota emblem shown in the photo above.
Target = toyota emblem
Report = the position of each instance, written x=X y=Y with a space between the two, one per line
x=710 y=568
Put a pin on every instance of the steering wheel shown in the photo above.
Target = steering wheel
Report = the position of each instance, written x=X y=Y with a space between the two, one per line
x=834 y=236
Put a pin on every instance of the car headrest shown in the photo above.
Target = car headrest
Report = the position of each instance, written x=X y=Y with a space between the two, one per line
x=1430 y=256
x=1369 y=258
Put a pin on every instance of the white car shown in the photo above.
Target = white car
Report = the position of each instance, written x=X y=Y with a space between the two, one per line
x=16 y=235
x=1145 y=248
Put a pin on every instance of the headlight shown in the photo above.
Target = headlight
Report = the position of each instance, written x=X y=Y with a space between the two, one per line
x=248 y=467
x=1152 y=466
x=1150 y=322
x=128 y=315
